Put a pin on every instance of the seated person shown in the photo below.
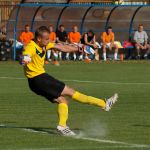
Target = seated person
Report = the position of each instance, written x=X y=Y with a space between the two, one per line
x=74 y=37
x=108 y=43
x=61 y=37
x=89 y=40
x=52 y=37
x=26 y=36
x=3 y=32
x=141 y=41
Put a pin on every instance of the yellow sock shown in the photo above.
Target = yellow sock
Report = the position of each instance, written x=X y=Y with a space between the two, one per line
x=63 y=114
x=88 y=99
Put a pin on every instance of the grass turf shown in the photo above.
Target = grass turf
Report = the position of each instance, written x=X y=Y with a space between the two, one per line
x=21 y=111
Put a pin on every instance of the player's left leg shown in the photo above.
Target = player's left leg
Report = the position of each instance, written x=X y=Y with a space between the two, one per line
x=116 y=51
x=147 y=50
x=63 y=117
x=62 y=110
x=97 y=54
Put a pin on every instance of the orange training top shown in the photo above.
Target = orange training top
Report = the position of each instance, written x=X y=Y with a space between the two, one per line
x=52 y=36
x=107 y=38
x=74 y=37
x=26 y=37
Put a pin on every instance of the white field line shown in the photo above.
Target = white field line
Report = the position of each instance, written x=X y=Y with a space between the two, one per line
x=105 y=82
x=117 y=144
x=13 y=78
x=88 y=81
x=79 y=148
x=98 y=140
x=102 y=141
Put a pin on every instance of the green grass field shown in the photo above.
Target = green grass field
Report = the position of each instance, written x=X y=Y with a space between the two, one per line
x=28 y=121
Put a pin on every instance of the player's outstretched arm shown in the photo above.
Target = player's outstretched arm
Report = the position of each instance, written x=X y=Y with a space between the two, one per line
x=66 y=48
x=24 y=59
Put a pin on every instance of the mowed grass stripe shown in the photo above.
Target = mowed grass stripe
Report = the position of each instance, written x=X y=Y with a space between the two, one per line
x=84 y=81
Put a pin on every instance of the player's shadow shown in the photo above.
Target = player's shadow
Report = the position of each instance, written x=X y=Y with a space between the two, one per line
x=50 y=131
x=141 y=125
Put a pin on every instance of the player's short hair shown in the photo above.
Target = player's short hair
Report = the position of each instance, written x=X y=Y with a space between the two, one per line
x=109 y=27
x=140 y=25
x=50 y=25
x=39 y=31
x=27 y=25
x=61 y=26
x=75 y=26
x=91 y=31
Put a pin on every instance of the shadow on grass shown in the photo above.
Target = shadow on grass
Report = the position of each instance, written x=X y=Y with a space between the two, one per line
x=51 y=131
x=141 y=125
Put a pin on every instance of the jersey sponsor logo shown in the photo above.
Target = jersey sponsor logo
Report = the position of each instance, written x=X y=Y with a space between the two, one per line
x=40 y=54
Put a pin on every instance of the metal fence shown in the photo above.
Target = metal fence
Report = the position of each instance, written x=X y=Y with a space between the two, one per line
x=5 y=10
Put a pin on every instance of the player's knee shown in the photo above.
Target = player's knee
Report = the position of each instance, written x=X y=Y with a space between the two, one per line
x=137 y=47
x=116 y=46
x=62 y=99
x=104 y=49
x=104 y=46
x=67 y=91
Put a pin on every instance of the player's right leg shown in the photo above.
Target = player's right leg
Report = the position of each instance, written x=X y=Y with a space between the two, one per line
x=116 y=52
x=147 y=51
x=137 y=47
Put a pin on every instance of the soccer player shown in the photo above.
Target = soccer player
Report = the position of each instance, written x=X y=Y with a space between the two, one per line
x=47 y=86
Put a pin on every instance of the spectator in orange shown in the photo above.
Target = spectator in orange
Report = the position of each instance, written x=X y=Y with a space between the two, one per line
x=26 y=36
x=52 y=35
x=52 y=38
x=108 y=43
x=74 y=37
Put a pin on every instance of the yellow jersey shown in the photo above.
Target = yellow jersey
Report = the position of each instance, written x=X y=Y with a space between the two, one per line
x=37 y=54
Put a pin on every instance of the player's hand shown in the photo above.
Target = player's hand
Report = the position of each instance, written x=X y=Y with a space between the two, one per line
x=25 y=59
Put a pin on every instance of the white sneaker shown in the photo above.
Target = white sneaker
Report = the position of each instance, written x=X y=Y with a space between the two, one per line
x=81 y=57
x=110 y=101
x=74 y=57
x=145 y=55
x=65 y=131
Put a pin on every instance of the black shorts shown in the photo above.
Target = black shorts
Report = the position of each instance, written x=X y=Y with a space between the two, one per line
x=47 y=86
